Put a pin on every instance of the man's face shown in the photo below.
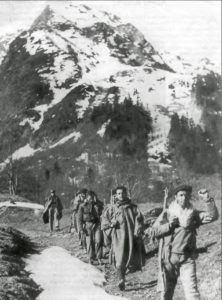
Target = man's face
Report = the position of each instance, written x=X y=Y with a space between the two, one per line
x=82 y=196
x=182 y=198
x=89 y=199
x=120 y=195
x=52 y=193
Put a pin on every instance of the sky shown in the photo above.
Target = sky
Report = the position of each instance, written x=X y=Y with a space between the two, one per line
x=191 y=29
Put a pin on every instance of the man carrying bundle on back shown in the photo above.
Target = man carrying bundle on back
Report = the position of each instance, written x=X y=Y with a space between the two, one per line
x=177 y=227
x=88 y=219
x=75 y=204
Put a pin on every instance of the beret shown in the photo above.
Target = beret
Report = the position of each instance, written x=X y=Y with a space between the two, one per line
x=183 y=187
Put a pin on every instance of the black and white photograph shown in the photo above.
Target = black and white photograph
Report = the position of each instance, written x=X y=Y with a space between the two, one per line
x=110 y=150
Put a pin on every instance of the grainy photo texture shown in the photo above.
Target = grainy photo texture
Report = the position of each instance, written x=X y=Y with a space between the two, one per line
x=110 y=153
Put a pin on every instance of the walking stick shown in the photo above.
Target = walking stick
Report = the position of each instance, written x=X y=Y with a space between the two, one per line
x=161 y=242
x=111 y=197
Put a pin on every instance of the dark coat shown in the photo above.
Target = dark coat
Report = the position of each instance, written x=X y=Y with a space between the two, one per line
x=52 y=201
x=127 y=244
x=88 y=212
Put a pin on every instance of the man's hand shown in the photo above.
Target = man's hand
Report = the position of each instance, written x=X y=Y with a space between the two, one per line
x=139 y=232
x=114 y=224
x=174 y=222
x=203 y=194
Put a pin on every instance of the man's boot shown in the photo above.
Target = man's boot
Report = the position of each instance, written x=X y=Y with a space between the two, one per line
x=121 y=279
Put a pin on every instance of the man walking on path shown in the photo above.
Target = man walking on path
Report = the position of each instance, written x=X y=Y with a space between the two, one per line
x=75 y=204
x=88 y=219
x=126 y=222
x=105 y=226
x=177 y=226
x=53 y=210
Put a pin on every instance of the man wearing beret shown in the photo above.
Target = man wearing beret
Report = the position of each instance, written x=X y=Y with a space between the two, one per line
x=177 y=226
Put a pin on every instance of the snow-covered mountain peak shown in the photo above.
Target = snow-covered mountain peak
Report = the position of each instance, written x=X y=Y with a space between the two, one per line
x=205 y=66
x=5 y=41
x=78 y=57
x=83 y=46
x=65 y=14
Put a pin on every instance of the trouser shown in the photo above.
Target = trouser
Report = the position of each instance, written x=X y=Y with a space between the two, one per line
x=74 y=222
x=121 y=266
x=107 y=241
x=121 y=272
x=93 y=240
x=187 y=272
x=53 y=217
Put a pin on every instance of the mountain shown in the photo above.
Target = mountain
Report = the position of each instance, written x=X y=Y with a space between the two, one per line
x=77 y=79
x=5 y=41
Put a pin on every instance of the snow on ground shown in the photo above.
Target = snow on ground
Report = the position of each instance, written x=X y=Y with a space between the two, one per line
x=34 y=206
x=63 y=68
x=106 y=66
x=82 y=106
x=41 y=109
x=75 y=135
x=27 y=150
x=39 y=40
x=83 y=157
x=102 y=130
x=63 y=276
x=24 y=152
x=84 y=16
x=98 y=65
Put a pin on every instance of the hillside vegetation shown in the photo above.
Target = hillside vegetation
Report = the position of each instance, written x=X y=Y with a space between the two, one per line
x=87 y=101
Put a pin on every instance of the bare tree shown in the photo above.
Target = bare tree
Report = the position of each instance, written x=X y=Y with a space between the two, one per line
x=12 y=175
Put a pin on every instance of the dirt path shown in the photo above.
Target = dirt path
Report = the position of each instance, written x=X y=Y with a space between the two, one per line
x=139 y=285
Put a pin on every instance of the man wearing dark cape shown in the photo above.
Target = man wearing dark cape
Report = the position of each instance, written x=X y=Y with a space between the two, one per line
x=53 y=211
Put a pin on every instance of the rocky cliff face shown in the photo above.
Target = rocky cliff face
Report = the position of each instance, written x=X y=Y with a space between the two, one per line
x=74 y=60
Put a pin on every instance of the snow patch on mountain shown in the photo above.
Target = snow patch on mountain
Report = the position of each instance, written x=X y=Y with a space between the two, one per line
x=5 y=41
x=41 y=109
x=27 y=150
x=106 y=65
x=78 y=59
x=102 y=130
x=83 y=157
x=75 y=135
x=24 y=151
x=80 y=15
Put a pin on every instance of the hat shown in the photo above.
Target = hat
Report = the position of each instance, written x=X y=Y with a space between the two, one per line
x=83 y=191
x=183 y=187
x=52 y=191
